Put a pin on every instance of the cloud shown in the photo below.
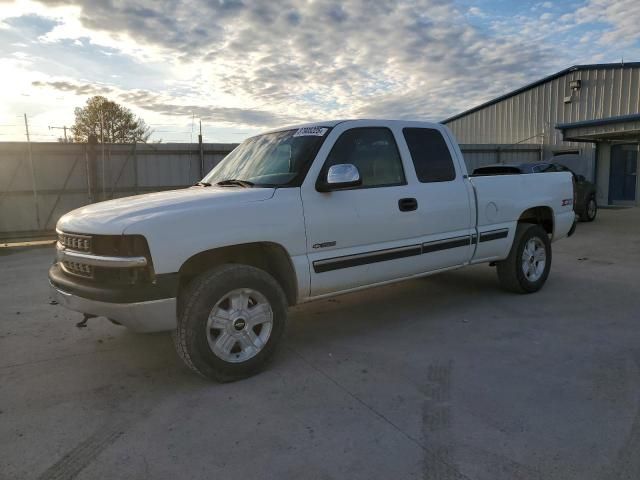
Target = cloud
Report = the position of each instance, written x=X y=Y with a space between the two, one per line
x=621 y=17
x=235 y=116
x=152 y=102
x=476 y=12
x=255 y=63
x=77 y=89
x=323 y=58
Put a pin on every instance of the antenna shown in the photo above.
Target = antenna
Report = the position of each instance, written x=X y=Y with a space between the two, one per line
x=201 y=149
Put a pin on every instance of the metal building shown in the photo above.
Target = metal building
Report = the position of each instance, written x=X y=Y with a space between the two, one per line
x=586 y=116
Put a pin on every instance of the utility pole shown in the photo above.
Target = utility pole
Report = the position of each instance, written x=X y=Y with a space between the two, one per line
x=201 y=151
x=104 y=188
x=33 y=172
x=61 y=128
x=92 y=168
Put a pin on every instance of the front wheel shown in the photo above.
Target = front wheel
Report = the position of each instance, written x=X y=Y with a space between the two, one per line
x=231 y=320
x=526 y=268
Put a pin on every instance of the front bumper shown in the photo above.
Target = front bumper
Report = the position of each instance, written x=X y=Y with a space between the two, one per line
x=150 y=316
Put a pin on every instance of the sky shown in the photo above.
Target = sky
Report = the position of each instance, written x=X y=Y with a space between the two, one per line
x=243 y=66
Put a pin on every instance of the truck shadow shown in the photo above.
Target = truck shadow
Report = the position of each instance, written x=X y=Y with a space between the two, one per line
x=427 y=304
x=430 y=299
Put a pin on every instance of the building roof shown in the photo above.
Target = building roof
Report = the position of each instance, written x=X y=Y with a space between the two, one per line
x=621 y=127
x=635 y=117
x=574 y=68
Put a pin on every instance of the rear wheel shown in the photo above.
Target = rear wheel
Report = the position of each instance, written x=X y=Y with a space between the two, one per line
x=231 y=322
x=526 y=268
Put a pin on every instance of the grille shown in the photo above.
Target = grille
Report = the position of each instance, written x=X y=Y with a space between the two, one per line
x=72 y=241
x=79 y=269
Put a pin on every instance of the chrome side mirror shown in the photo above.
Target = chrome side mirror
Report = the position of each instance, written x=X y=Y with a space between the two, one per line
x=342 y=175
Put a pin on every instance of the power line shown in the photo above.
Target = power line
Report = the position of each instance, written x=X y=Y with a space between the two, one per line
x=61 y=128
x=171 y=131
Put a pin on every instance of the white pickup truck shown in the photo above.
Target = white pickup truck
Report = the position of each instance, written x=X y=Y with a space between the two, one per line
x=298 y=214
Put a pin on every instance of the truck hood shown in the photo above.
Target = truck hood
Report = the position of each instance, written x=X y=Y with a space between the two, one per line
x=113 y=216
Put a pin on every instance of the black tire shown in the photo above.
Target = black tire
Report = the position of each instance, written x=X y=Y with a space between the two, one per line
x=588 y=213
x=197 y=300
x=511 y=272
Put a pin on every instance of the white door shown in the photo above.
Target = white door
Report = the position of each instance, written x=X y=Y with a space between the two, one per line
x=360 y=235
x=446 y=208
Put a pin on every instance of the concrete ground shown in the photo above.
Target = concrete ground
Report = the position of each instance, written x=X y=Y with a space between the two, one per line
x=440 y=378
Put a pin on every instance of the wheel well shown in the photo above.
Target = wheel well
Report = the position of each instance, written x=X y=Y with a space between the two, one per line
x=267 y=256
x=542 y=216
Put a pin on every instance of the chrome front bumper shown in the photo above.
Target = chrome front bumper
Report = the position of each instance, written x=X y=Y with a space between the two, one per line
x=151 y=316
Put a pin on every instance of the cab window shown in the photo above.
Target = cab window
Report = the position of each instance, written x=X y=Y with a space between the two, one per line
x=373 y=150
x=430 y=154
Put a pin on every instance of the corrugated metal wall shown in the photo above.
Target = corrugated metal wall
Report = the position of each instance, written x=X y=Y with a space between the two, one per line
x=532 y=115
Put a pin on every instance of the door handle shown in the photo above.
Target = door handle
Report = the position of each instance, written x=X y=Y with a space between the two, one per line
x=407 y=204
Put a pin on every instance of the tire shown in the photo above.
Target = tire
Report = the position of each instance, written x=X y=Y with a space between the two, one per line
x=590 y=210
x=220 y=334
x=512 y=272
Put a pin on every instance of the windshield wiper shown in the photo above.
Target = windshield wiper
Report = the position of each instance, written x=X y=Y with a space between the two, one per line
x=202 y=184
x=233 y=181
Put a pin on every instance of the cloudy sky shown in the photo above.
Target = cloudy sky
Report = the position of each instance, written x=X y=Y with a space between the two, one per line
x=243 y=66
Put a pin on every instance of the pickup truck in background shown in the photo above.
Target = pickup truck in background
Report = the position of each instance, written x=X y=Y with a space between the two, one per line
x=298 y=214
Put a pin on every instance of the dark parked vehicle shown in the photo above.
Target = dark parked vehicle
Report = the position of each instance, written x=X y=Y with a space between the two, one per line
x=584 y=202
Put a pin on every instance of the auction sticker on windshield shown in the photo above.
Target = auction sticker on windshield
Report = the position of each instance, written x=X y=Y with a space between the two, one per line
x=310 y=132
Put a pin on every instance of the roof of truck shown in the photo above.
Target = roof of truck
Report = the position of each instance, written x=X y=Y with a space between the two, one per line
x=333 y=123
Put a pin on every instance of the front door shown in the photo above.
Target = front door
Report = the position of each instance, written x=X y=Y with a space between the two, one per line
x=360 y=235
x=623 y=178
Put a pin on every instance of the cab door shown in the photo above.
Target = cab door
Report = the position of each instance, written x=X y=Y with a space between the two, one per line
x=445 y=223
x=365 y=234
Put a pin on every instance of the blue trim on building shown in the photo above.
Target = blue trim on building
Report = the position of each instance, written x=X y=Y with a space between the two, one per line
x=634 y=117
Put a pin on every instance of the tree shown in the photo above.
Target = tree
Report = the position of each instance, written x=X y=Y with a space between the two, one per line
x=109 y=121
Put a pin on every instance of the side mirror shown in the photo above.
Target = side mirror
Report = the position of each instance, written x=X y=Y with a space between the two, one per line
x=343 y=175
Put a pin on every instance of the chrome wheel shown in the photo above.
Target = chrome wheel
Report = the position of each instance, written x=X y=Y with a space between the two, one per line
x=239 y=325
x=534 y=259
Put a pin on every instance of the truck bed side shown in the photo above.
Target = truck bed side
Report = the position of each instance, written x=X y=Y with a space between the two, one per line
x=503 y=199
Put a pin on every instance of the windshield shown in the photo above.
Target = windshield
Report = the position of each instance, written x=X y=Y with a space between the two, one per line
x=279 y=159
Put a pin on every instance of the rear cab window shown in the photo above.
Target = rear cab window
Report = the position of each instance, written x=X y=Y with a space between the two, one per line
x=430 y=155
